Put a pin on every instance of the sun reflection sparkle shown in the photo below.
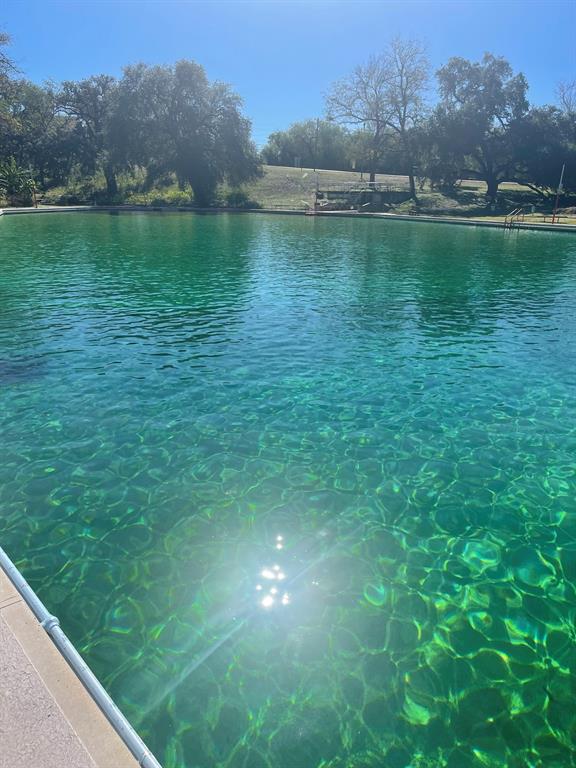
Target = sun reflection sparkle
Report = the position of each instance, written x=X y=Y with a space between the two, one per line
x=273 y=573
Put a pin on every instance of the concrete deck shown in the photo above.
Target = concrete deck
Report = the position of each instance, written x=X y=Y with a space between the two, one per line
x=47 y=718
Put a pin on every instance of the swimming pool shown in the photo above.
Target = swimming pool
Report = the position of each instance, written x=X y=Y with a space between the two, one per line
x=300 y=490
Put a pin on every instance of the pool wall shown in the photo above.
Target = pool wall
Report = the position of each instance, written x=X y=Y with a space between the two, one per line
x=543 y=227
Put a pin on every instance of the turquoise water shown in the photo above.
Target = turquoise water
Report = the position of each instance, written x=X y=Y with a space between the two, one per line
x=301 y=490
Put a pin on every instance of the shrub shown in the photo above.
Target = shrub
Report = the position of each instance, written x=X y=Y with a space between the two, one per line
x=160 y=197
x=238 y=199
x=16 y=184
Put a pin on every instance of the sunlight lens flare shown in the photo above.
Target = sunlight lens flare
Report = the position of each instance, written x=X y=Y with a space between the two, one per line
x=273 y=573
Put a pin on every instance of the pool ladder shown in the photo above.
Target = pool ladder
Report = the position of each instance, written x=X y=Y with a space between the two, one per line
x=513 y=218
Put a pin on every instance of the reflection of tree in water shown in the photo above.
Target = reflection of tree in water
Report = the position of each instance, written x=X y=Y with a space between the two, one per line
x=474 y=280
x=124 y=287
x=14 y=371
x=19 y=313
x=457 y=279
x=389 y=277
x=394 y=282
x=176 y=284
x=340 y=277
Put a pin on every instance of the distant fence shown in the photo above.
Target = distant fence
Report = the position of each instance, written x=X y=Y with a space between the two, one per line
x=364 y=186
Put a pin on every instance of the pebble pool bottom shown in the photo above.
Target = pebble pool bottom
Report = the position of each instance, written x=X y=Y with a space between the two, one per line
x=301 y=490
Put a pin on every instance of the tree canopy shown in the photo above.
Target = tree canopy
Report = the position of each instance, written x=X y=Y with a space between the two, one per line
x=93 y=104
x=160 y=123
x=6 y=63
x=174 y=120
x=480 y=104
x=543 y=143
x=168 y=119
x=311 y=143
x=567 y=97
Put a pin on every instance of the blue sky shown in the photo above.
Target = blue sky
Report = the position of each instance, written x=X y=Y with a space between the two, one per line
x=281 y=56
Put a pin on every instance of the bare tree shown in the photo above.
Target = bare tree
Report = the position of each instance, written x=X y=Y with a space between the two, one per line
x=385 y=97
x=566 y=92
x=6 y=63
x=7 y=69
x=409 y=71
x=361 y=100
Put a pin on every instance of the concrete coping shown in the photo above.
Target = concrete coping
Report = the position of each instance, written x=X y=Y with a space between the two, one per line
x=542 y=226
x=47 y=717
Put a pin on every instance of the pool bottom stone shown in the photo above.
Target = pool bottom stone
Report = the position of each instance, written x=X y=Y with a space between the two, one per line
x=433 y=675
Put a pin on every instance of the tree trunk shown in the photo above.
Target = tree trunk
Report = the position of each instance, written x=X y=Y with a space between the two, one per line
x=412 y=186
x=492 y=187
x=203 y=194
x=409 y=160
x=111 y=183
x=372 y=176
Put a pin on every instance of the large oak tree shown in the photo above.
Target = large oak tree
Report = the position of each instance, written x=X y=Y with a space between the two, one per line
x=481 y=102
x=177 y=121
x=93 y=105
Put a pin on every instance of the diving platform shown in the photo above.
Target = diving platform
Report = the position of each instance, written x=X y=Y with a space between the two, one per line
x=365 y=195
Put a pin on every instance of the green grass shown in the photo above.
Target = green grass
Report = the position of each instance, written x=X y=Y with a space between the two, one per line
x=293 y=187
x=286 y=187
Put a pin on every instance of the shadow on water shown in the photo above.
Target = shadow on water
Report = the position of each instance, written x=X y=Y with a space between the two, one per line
x=21 y=371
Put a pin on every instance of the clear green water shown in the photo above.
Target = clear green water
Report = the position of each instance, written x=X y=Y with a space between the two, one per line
x=396 y=401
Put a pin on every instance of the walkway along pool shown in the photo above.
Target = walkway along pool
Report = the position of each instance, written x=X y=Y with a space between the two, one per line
x=301 y=490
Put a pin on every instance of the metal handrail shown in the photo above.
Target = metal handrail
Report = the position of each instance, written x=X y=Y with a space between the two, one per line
x=511 y=215
x=51 y=624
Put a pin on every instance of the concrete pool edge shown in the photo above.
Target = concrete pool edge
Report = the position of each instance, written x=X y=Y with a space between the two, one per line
x=53 y=711
x=542 y=227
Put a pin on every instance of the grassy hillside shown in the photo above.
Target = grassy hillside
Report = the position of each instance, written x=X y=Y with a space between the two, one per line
x=286 y=187
x=279 y=186
x=292 y=187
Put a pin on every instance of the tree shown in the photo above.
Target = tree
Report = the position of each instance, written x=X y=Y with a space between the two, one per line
x=544 y=141
x=92 y=103
x=567 y=97
x=384 y=98
x=185 y=124
x=317 y=143
x=7 y=66
x=34 y=134
x=26 y=118
x=28 y=112
x=361 y=101
x=438 y=153
x=480 y=104
x=408 y=69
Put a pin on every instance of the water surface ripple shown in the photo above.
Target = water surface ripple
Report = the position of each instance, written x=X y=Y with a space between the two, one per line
x=301 y=490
